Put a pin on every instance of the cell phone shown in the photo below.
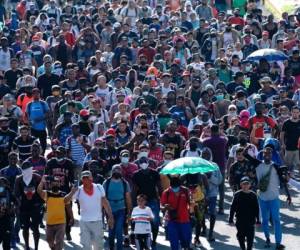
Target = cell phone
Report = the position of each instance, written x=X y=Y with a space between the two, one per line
x=76 y=183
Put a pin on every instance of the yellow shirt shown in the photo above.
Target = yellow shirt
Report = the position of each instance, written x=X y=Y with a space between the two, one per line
x=55 y=209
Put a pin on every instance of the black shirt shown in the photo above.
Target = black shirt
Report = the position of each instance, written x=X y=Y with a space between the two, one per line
x=245 y=207
x=45 y=83
x=146 y=182
x=12 y=76
x=291 y=134
x=63 y=170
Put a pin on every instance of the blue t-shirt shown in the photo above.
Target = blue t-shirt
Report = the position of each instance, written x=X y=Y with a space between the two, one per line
x=36 y=111
x=115 y=194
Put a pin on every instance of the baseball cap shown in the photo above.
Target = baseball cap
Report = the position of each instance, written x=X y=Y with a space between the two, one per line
x=86 y=174
x=245 y=179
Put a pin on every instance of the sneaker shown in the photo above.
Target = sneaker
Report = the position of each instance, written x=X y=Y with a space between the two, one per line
x=268 y=243
x=42 y=225
x=68 y=237
x=126 y=242
x=279 y=247
x=211 y=238
x=197 y=243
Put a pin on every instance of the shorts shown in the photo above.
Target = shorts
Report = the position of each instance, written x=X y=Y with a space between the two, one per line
x=31 y=219
x=291 y=158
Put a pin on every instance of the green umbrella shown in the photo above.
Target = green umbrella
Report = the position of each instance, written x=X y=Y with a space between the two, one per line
x=189 y=165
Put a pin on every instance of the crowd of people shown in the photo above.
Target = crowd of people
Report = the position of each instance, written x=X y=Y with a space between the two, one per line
x=97 y=97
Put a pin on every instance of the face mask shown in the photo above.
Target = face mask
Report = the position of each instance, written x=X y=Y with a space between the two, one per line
x=243 y=141
x=144 y=166
x=248 y=68
x=4 y=128
x=167 y=161
x=27 y=175
x=176 y=190
x=93 y=63
x=116 y=175
x=175 y=182
x=213 y=36
x=2 y=189
x=219 y=97
x=223 y=66
x=228 y=29
x=193 y=146
x=232 y=113
x=36 y=43
x=196 y=86
x=124 y=160
x=240 y=104
x=142 y=154
x=55 y=189
x=145 y=93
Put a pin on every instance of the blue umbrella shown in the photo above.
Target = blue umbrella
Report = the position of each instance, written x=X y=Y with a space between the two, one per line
x=270 y=55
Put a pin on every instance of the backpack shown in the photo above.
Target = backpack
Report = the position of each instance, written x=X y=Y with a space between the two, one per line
x=124 y=189
x=29 y=107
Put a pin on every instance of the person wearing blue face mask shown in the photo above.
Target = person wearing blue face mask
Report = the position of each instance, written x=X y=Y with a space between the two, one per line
x=221 y=104
x=175 y=201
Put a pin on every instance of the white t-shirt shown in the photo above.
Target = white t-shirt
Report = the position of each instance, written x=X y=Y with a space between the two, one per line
x=141 y=218
x=252 y=151
x=90 y=205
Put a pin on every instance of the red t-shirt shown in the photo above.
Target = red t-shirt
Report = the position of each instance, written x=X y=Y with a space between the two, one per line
x=236 y=20
x=156 y=154
x=180 y=201
x=259 y=133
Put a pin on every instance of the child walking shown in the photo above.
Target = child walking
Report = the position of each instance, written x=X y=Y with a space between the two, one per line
x=142 y=216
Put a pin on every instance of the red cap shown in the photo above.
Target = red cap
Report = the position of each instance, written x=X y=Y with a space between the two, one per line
x=111 y=131
x=84 y=112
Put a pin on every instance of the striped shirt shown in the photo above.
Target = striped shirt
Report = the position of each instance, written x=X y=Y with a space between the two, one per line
x=77 y=150
x=23 y=147
x=142 y=218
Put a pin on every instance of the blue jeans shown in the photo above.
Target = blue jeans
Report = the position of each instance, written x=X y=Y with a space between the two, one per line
x=154 y=205
x=179 y=232
x=268 y=208
x=117 y=231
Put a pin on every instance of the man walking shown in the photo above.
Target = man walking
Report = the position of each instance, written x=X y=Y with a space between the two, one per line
x=92 y=199
x=246 y=210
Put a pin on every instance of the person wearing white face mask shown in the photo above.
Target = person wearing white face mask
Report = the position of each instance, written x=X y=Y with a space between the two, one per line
x=144 y=153
x=147 y=181
x=128 y=168
x=30 y=203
